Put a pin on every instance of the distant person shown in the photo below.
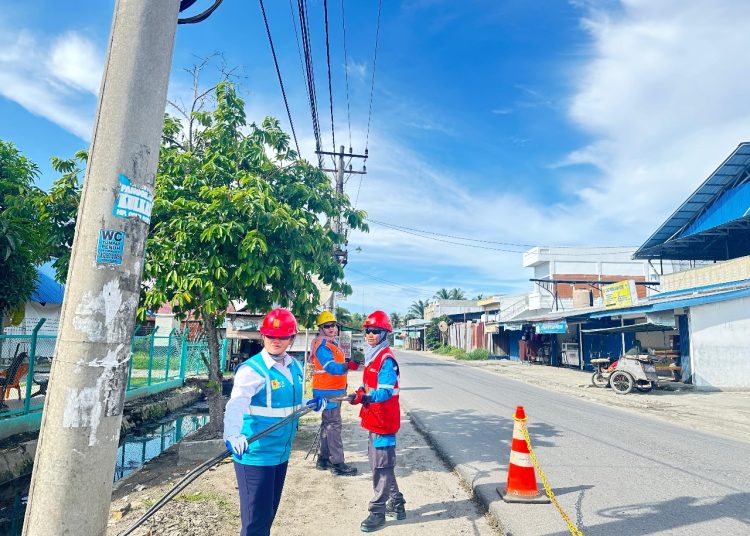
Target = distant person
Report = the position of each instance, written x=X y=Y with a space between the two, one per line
x=381 y=417
x=267 y=388
x=329 y=379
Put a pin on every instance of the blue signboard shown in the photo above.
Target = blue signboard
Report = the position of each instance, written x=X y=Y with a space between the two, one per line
x=552 y=327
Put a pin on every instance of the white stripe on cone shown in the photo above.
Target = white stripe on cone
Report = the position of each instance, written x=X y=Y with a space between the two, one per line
x=520 y=459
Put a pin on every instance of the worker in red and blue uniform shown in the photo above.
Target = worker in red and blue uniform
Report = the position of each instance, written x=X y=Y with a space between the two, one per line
x=267 y=388
x=381 y=417
x=330 y=368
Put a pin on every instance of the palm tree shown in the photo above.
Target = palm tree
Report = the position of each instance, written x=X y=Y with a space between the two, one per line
x=456 y=294
x=443 y=294
x=396 y=320
x=343 y=316
x=417 y=308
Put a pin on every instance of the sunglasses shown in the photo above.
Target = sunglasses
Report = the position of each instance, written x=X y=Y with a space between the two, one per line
x=329 y=325
x=375 y=331
x=278 y=338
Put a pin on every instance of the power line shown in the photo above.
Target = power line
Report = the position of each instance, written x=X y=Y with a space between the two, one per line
x=425 y=234
x=310 y=72
x=392 y=283
x=296 y=35
x=328 y=61
x=399 y=227
x=346 y=73
x=374 y=64
x=278 y=73
x=200 y=17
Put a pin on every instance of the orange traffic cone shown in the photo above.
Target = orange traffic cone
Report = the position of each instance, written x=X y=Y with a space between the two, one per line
x=521 y=486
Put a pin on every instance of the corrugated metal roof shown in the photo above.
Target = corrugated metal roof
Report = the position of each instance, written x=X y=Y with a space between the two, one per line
x=678 y=302
x=47 y=289
x=700 y=228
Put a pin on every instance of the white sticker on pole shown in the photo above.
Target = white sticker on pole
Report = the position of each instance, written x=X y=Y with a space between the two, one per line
x=133 y=201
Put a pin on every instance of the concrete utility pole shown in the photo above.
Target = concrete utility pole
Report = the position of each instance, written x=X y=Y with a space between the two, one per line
x=71 y=485
x=339 y=253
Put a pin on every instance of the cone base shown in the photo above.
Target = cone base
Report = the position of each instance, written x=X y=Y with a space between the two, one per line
x=539 y=498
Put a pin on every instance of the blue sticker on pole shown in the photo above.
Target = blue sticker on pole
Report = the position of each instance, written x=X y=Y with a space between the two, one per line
x=133 y=201
x=110 y=247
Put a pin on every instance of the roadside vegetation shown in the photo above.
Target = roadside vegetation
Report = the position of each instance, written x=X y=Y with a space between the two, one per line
x=475 y=355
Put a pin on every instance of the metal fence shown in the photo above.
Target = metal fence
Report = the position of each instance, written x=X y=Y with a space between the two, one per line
x=158 y=361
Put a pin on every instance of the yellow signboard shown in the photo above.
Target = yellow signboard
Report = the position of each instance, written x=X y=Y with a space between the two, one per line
x=622 y=294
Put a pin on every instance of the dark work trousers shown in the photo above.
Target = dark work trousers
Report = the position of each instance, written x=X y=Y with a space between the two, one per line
x=331 y=447
x=260 y=492
x=384 y=485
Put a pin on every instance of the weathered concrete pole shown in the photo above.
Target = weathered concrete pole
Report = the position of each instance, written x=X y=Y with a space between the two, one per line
x=71 y=485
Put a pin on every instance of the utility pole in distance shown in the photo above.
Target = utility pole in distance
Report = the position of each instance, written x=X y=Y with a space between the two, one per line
x=340 y=254
x=71 y=485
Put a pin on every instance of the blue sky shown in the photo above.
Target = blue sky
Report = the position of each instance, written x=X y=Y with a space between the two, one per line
x=546 y=122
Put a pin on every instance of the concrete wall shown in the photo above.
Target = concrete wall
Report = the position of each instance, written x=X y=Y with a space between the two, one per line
x=720 y=344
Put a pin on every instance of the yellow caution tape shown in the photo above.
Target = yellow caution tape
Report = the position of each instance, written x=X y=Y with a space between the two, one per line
x=575 y=531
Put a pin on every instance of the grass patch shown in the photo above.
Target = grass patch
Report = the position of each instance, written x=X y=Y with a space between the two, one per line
x=479 y=354
x=202 y=496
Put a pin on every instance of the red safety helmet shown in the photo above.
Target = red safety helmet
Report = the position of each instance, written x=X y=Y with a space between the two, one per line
x=378 y=319
x=279 y=323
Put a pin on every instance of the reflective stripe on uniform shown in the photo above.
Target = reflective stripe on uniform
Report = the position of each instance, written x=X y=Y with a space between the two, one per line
x=262 y=411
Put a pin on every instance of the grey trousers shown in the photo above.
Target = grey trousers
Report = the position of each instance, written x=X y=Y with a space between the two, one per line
x=384 y=485
x=331 y=447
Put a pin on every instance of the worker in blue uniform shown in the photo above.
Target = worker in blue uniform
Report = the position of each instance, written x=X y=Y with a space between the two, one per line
x=267 y=388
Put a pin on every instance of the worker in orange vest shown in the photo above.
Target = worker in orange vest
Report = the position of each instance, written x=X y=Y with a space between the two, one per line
x=330 y=367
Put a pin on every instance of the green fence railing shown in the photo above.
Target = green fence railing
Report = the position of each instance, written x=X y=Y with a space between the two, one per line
x=158 y=361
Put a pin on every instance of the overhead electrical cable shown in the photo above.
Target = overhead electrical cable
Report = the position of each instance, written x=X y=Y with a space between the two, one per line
x=392 y=283
x=200 y=17
x=374 y=65
x=310 y=75
x=278 y=73
x=399 y=227
x=425 y=235
x=296 y=35
x=346 y=73
x=328 y=62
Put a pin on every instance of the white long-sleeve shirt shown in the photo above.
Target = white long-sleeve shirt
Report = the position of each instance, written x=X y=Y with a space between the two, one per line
x=247 y=382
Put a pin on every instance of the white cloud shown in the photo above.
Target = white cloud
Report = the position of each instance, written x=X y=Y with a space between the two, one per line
x=662 y=93
x=77 y=62
x=56 y=80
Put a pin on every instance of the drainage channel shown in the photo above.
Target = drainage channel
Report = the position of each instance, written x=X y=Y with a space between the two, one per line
x=138 y=447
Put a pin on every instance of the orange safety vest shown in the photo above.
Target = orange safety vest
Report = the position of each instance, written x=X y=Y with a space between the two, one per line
x=321 y=380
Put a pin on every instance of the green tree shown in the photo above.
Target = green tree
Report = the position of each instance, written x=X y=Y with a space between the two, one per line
x=396 y=320
x=21 y=234
x=433 y=337
x=237 y=216
x=59 y=210
x=456 y=294
x=443 y=294
x=343 y=316
x=416 y=309
x=358 y=319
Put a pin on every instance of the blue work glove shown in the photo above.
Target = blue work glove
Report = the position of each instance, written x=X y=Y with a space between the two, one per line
x=317 y=403
x=236 y=444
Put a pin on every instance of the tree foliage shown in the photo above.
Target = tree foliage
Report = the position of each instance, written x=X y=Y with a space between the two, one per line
x=396 y=320
x=238 y=215
x=416 y=309
x=21 y=235
x=452 y=294
x=59 y=210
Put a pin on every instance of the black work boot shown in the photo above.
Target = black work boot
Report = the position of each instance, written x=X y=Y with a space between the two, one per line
x=373 y=522
x=342 y=469
x=395 y=508
x=322 y=464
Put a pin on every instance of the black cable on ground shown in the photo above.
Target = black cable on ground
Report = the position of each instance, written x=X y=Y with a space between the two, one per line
x=205 y=466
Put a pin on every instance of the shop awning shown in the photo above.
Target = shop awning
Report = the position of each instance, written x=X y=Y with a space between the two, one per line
x=631 y=328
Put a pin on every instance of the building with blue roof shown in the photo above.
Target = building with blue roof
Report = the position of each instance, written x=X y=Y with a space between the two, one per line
x=45 y=302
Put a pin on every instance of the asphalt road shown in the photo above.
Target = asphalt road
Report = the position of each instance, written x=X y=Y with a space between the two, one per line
x=614 y=472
